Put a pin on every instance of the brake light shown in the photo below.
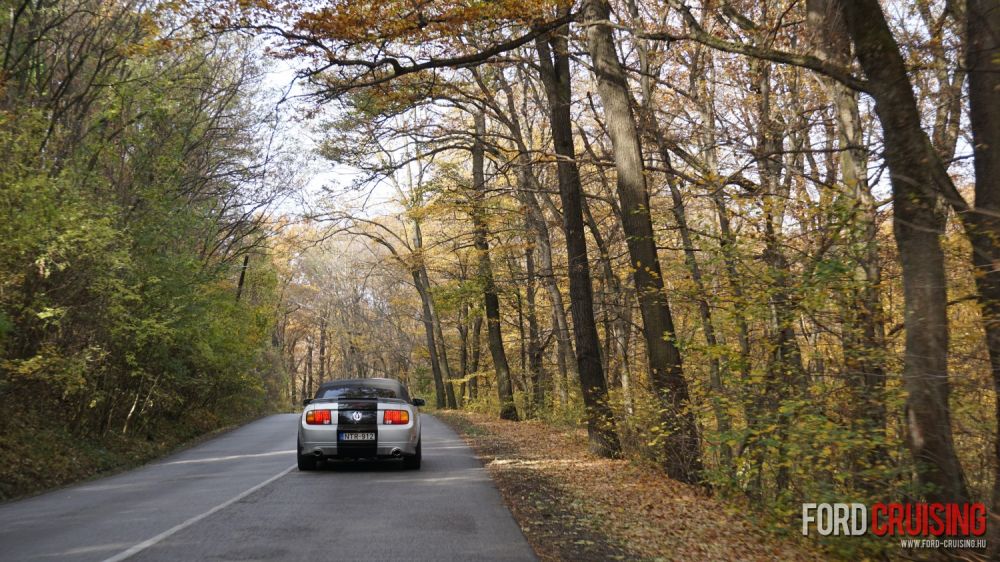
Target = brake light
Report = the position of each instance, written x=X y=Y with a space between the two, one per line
x=395 y=417
x=318 y=417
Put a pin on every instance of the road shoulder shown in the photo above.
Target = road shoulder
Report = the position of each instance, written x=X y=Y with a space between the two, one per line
x=572 y=505
x=26 y=453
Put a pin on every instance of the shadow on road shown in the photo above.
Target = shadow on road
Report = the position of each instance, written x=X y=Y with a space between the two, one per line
x=360 y=466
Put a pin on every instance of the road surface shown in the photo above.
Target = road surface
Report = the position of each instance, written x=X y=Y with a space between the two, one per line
x=238 y=497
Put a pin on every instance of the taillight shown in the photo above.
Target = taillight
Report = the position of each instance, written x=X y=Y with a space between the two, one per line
x=318 y=417
x=395 y=417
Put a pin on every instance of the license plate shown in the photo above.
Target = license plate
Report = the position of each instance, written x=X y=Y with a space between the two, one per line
x=357 y=436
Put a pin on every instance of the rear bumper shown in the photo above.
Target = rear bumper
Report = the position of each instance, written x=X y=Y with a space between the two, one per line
x=383 y=452
x=322 y=441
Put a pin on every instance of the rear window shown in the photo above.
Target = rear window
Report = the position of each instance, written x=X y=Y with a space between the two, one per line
x=357 y=392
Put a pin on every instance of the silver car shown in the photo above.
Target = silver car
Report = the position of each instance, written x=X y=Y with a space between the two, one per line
x=360 y=419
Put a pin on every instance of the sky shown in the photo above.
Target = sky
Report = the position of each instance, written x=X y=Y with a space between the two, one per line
x=320 y=177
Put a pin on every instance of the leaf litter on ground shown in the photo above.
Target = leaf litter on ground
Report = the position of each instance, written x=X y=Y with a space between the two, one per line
x=573 y=505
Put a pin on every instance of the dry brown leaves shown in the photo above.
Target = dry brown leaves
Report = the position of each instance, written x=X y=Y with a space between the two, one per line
x=572 y=505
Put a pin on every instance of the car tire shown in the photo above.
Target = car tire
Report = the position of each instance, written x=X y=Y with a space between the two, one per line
x=306 y=462
x=413 y=462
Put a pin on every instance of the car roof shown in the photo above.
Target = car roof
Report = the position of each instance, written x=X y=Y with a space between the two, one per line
x=389 y=384
x=372 y=381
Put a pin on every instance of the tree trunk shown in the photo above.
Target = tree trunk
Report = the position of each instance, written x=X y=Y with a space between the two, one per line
x=505 y=391
x=622 y=327
x=918 y=177
x=463 y=355
x=243 y=274
x=322 y=348
x=534 y=347
x=522 y=350
x=292 y=372
x=983 y=62
x=425 y=302
x=307 y=391
x=681 y=445
x=723 y=422
x=785 y=376
x=727 y=239
x=864 y=339
x=530 y=187
x=612 y=284
x=449 y=388
x=651 y=125
x=304 y=389
x=439 y=342
x=727 y=247
x=555 y=73
x=477 y=338
x=543 y=253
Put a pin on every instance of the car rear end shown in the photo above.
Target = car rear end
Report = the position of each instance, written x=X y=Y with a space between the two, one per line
x=359 y=429
x=347 y=427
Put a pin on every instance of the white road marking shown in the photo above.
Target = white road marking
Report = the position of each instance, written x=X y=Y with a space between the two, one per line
x=180 y=527
x=234 y=457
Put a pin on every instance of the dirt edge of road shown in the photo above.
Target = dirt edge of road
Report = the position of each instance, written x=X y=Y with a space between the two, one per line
x=572 y=505
x=27 y=472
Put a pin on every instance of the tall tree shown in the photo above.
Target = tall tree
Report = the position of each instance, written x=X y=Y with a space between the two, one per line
x=919 y=179
x=681 y=442
x=530 y=189
x=554 y=58
x=983 y=62
x=864 y=339
x=505 y=392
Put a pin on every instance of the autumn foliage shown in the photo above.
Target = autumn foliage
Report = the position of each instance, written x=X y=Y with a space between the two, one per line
x=750 y=244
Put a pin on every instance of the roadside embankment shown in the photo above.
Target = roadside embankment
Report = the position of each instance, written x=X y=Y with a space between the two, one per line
x=573 y=505
x=36 y=456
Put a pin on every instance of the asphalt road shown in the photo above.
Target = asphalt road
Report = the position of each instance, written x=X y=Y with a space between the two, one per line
x=238 y=497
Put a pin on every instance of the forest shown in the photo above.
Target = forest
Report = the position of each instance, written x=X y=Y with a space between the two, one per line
x=751 y=244
x=137 y=192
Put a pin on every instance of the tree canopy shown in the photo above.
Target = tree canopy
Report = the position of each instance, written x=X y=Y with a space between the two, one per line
x=754 y=243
